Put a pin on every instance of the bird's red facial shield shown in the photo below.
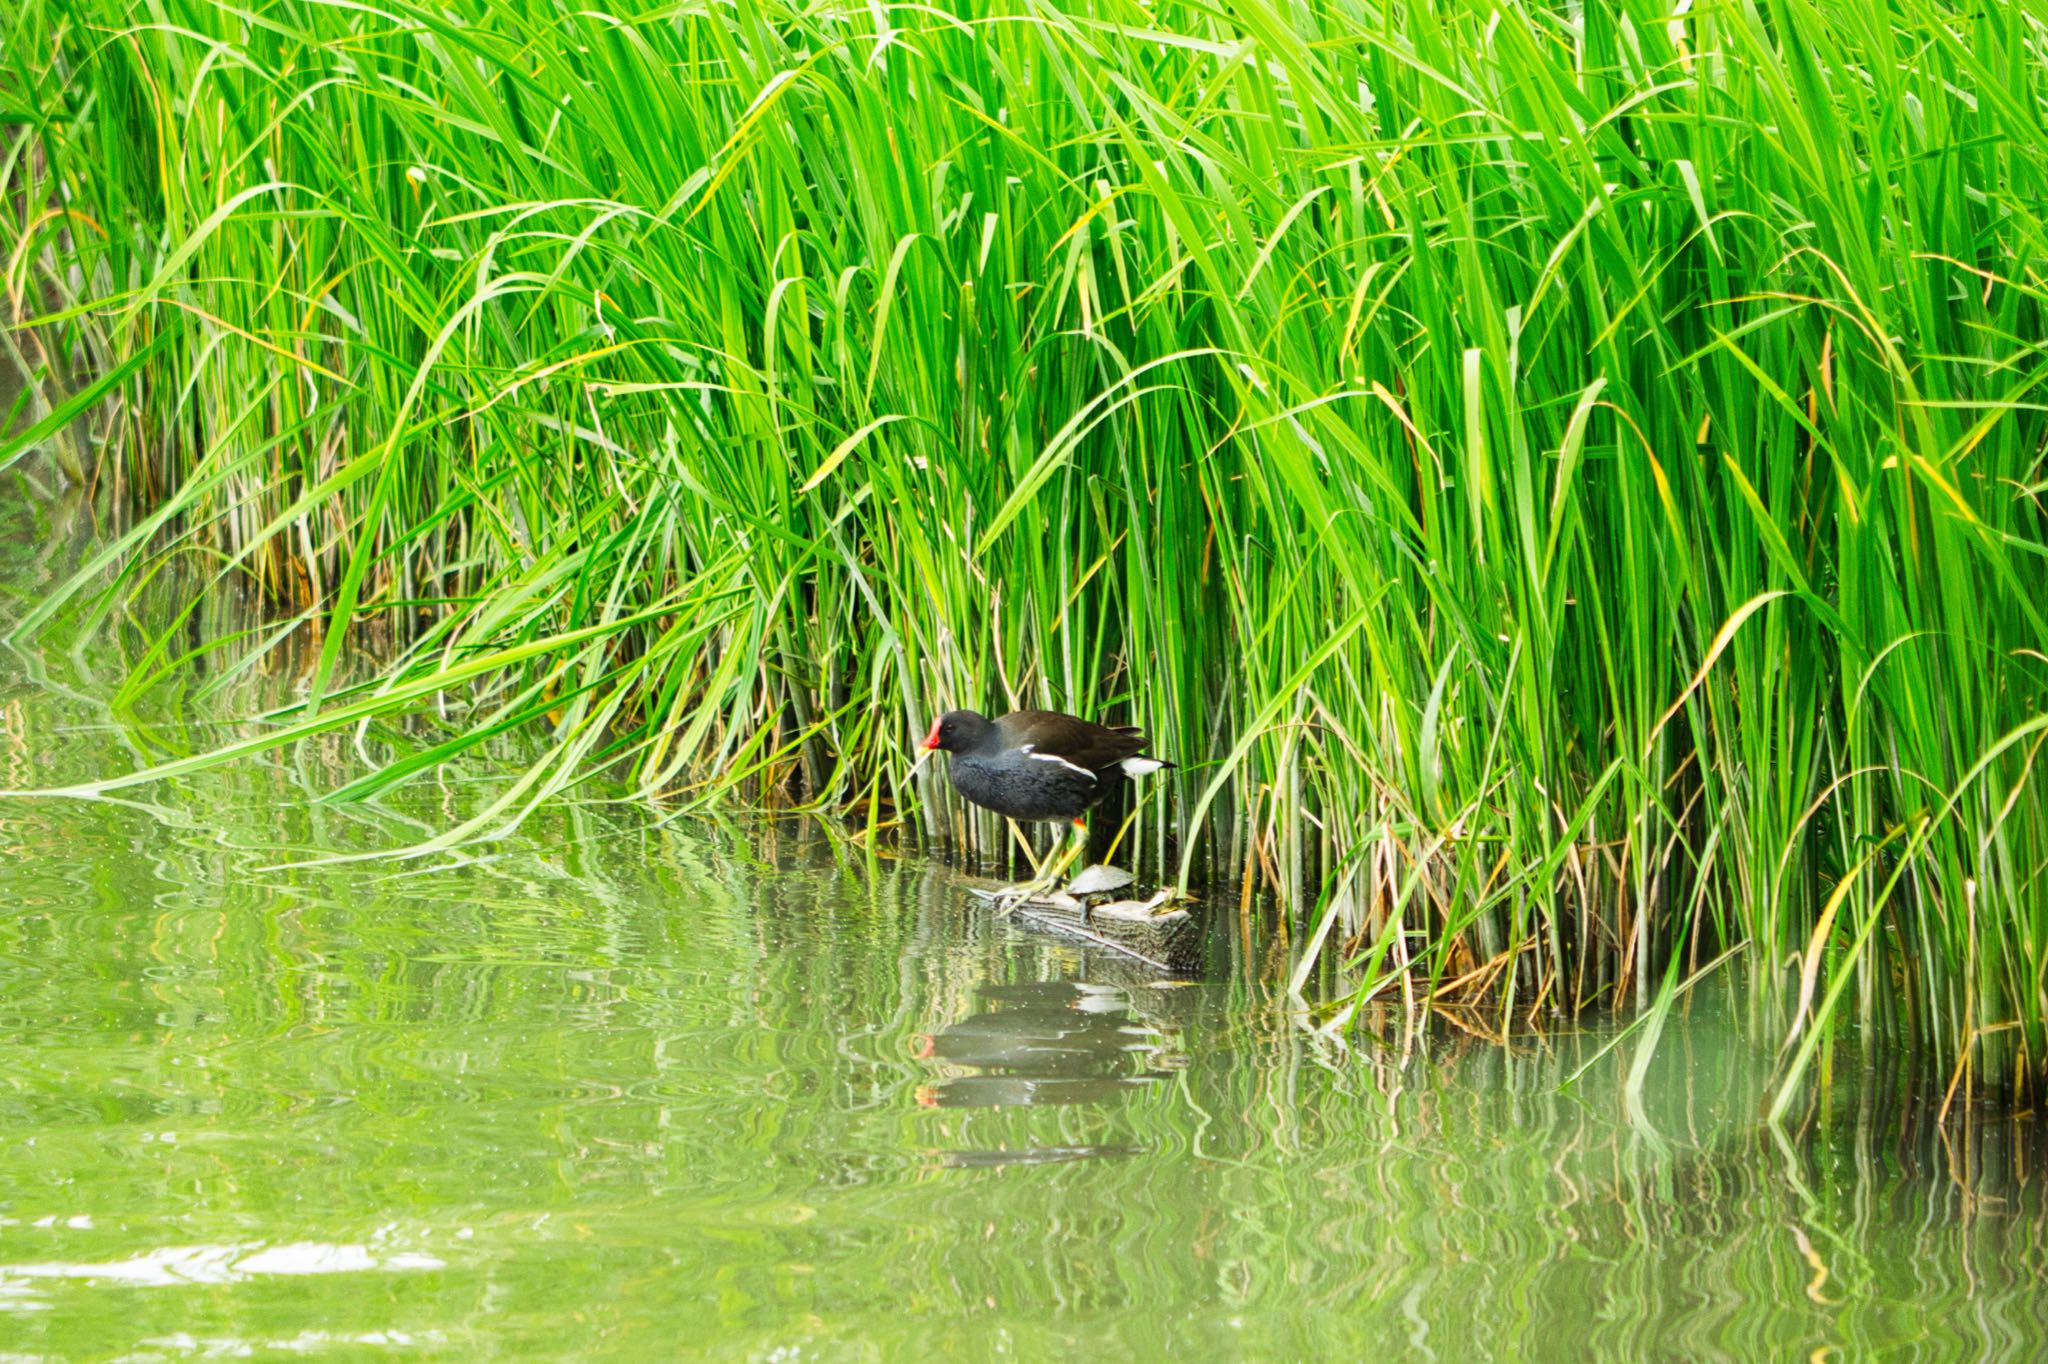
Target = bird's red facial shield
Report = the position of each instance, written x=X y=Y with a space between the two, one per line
x=931 y=740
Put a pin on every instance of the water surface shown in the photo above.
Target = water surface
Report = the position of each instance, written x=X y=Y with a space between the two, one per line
x=631 y=1090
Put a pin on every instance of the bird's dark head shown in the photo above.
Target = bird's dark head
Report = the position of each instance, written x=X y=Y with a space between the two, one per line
x=956 y=731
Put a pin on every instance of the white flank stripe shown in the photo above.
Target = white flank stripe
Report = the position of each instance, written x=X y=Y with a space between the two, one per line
x=1138 y=767
x=1056 y=758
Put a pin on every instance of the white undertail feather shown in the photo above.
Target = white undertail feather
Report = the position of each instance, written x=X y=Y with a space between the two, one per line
x=1138 y=767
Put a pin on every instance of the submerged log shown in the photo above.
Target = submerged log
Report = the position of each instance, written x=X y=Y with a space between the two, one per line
x=1157 y=930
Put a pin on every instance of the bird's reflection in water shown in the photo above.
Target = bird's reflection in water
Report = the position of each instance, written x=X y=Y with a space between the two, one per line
x=1048 y=1042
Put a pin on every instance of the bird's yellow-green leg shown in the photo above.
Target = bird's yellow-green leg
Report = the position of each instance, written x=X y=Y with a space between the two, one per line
x=1044 y=875
x=1076 y=846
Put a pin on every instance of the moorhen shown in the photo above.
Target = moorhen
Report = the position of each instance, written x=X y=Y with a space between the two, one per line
x=1039 y=764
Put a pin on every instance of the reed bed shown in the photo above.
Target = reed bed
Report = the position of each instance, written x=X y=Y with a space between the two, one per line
x=1566 y=481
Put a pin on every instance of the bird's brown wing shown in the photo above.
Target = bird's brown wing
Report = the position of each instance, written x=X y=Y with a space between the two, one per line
x=1079 y=741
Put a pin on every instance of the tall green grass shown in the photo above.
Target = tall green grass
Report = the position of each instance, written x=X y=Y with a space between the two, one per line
x=1566 y=481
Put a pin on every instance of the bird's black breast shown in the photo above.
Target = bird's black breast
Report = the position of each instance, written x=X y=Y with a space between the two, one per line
x=1016 y=784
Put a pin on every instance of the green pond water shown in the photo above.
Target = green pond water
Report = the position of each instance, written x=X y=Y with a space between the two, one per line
x=621 y=1089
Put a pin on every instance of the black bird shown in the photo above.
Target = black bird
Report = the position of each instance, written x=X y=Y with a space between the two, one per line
x=1039 y=764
